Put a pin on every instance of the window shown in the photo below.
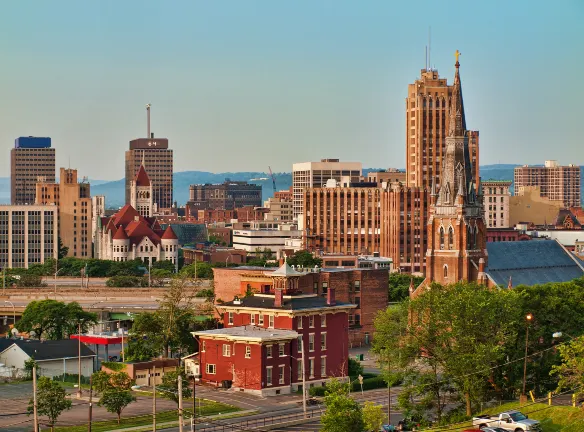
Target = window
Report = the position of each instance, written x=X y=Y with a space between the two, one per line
x=230 y=318
x=450 y=238
x=226 y=350
x=357 y=286
x=210 y=368
x=299 y=322
x=324 y=287
x=315 y=288
x=441 y=238
x=203 y=346
x=247 y=351
x=445 y=271
x=281 y=374
x=299 y=366
x=253 y=319
x=281 y=350
x=357 y=320
x=311 y=342
x=323 y=320
x=269 y=351
x=269 y=375
x=358 y=302
x=322 y=367
x=299 y=344
x=323 y=341
x=311 y=321
x=311 y=368
x=271 y=321
x=261 y=319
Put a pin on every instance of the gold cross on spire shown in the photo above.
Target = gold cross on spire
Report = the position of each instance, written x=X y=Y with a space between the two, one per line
x=456 y=55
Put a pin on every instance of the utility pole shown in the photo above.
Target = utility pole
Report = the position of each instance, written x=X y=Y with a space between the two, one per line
x=149 y=273
x=153 y=398
x=34 y=400
x=4 y=280
x=388 y=391
x=180 y=404
x=79 y=361
x=90 y=404
x=303 y=377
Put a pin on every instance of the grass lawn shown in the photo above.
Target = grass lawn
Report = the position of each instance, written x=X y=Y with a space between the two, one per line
x=208 y=408
x=552 y=418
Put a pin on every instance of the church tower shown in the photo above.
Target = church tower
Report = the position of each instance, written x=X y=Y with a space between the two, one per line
x=456 y=229
x=141 y=193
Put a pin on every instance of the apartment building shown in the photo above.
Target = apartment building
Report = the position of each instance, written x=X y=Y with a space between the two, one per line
x=496 y=203
x=316 y=174
x=31 y=159
x=279 y=210
x=556 y=182
x=28 y=234
x=228 y=195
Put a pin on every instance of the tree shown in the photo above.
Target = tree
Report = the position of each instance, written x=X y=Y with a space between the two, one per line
x=51 y=400
x=399 y=285
x=355 y=368
x=164 y=265
x=55 y=320
x=169 y=387
x=115 y=401
x=201 y=270
x=571 y=370
x=343 y=413
x=62 y=250
x=304 y=259
x=373 y=416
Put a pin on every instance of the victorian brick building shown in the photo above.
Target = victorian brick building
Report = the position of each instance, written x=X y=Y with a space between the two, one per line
x=276 y=340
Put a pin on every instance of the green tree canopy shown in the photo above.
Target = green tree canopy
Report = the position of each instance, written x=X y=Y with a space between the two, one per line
x=51 y=400
x=373 y=416
x=571 y=370
x=115 y=401
x=55 y=320
x=169 y=387
x=343 y=413
x=399 y=285
x=304 y=258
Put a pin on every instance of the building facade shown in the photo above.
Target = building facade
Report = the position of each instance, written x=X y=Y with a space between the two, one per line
x=264 y=235
x=529 y=206
x=427 y=122
x=97 y=212
x=390 y=176
x=28 y=235
x=141 y=194
x=496 y=195
x=73 y=198
x=558 y=183
x=157 y=159
x=316 y=174
x=279 y=209
x=228 y=195
x=31 y=159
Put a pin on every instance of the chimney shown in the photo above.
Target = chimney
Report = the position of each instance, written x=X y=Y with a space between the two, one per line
x=278 y=297
x=482 y=265
x=330 y=297
x=281 y=262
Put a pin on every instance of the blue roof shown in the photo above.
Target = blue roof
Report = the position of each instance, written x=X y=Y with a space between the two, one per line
x=531 y=262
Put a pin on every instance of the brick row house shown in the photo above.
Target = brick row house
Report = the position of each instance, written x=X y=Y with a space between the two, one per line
x=259 y=350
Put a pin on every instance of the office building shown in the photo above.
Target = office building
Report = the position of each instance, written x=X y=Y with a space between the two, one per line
x=31 y=159
x=558 y=183
x=390 y=176
x=316 y=174
x=427 y=121
x=496 y=202
x=263 y=236
x=279 y=209
x=97 y=212
x=228 y=195
x=157 y=159
x=28 y=235
x=73 y=199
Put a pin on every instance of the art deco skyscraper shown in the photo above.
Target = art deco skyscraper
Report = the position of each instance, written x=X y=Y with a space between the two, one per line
x=32 y=159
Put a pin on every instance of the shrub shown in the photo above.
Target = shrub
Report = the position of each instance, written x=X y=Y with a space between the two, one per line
x=317 y=391
x=369 y=384
x=114 y=366
x=30 y=280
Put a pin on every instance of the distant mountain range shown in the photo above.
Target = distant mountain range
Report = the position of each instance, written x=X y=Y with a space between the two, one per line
x=115 y=192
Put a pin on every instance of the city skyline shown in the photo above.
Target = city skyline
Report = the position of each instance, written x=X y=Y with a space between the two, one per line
x=275 y=84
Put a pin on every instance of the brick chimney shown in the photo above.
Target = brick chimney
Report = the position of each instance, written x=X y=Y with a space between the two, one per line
x=278 y=297
x=330 y=297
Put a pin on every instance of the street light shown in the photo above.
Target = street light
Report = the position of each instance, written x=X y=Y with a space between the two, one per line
x=13 y=311
x=226 y=259
x=55 y=283
x=528 y=320
x=558 y=335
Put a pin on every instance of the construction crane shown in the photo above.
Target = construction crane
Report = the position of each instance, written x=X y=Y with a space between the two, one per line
x=273 y=180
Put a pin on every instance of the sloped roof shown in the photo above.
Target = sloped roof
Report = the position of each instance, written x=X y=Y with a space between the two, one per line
x=564 y=214
x=142 y=178
x=126 y=215
x=120 y=234
x=137 y=230
x=288 y=303
x=285 y=271
x=49 y=350
x=169 y=234
x=531 y=262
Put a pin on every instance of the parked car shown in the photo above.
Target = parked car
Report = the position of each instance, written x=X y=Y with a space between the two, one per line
x=513 y=421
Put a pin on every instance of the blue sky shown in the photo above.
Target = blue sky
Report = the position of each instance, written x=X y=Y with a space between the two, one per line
x=240 y=85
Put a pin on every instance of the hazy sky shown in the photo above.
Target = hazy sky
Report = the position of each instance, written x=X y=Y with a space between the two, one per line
x=239 y=85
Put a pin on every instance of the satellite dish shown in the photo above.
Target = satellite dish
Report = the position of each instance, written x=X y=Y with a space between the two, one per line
x=14 y=332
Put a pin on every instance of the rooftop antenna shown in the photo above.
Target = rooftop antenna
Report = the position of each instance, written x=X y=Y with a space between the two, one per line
x=429 y=46
x=426 y=58
x=148 y=119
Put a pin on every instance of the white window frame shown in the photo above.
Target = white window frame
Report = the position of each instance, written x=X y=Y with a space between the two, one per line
x=230 y=317
x=270 y=375
x=311 y=342
x=269 y=351
x=209 y=367
x=300 y=343
x=311 y=321
x=323 y=341
x=281 y=374
x=226 y=349
x=203 y=346
x=311 y=367
x=323 y=320
x=323 y=366
x=252 y=319
x=271 y=321
x=299 y=322
x=247 y=351
x=281 y=350
x=261 y=319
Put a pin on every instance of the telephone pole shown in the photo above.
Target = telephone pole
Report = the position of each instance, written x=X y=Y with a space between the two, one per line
x=34 y=399
x=180 y=404
x=154 y=399
x=90 y=404
x=303 y=378
x=79 y=361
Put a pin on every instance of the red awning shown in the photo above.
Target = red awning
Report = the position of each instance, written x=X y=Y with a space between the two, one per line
x=99 y=339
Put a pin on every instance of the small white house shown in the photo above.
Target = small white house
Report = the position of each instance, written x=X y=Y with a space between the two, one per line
x=192 y=368
x=53 y=358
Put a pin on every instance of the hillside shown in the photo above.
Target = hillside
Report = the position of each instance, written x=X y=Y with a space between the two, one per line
x=115 y=195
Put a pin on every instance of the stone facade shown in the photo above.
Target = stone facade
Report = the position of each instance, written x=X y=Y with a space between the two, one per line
x=496 y=194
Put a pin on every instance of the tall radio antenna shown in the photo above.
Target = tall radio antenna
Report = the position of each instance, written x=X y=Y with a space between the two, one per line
x=429 y=46
x=148 y=119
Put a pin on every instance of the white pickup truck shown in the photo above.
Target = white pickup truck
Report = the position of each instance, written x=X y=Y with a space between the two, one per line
x=513 y=421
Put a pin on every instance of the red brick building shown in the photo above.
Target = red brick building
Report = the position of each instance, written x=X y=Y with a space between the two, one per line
x=214 y=254
x=270 y=340
x=366 y=288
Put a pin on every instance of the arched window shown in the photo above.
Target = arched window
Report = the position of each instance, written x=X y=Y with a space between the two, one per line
x=476 y=237
x=468 y=237
x=441 y=237
x=450 y=238
x=445 y=271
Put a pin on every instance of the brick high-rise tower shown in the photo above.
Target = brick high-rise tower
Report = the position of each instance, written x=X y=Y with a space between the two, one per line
x=427 y=123
x=456 y=228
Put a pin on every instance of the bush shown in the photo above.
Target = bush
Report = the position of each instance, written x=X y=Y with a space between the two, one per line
x=317 y=391
x=114 y=366
x=127 y=282
x=369 y=384
x=355 y=369
x=30 y=281
x=71 y=378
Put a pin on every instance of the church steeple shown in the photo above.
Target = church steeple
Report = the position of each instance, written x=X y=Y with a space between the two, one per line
x=457 y=123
